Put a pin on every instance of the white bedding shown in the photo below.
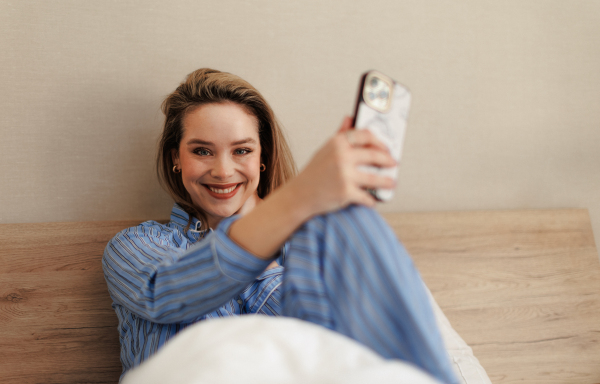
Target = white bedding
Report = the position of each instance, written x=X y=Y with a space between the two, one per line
x=261 y=349
x=467 y=367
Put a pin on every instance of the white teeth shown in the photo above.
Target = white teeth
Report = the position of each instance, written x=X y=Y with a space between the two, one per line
x=215 y=190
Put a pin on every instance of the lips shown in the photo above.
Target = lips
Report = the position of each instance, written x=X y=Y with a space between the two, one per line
x=222 y=191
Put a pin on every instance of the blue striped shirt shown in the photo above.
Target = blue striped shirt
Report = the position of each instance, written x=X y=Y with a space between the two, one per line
x=162 y=279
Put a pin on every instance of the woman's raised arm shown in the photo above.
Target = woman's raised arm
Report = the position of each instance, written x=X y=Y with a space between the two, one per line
x=329 y=182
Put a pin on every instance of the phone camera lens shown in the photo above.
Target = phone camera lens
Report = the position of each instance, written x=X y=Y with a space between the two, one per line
x=383 y=94
x=372 y=96
x=374 y=82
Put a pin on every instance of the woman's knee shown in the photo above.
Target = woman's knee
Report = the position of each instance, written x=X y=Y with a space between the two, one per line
x=355 y=235
x=353 y=221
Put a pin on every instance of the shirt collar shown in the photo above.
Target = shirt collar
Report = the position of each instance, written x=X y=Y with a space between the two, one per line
x=181 y=217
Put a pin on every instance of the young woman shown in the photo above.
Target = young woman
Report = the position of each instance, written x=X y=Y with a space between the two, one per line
x=240 y=213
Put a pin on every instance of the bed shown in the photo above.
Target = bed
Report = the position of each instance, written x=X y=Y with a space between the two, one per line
x=521 y=287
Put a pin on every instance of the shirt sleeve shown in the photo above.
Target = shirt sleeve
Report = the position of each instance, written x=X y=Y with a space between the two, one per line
x=164 y=284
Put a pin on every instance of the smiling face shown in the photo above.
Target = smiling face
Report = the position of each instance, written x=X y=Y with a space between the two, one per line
x=219 y=159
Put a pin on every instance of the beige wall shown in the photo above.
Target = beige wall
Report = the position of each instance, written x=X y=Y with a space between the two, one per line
x=505 y=110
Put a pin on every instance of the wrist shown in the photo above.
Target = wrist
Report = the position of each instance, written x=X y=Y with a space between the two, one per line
x=300 y=203
x=264 y=229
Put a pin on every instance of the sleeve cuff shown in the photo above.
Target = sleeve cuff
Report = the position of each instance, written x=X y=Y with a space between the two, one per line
x=234 y=261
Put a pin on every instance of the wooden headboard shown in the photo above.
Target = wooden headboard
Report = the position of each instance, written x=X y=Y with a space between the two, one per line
x=521 y=287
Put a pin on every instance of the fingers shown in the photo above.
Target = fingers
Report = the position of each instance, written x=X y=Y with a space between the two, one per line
x=369 y=181
x=373 y=181
x=364 y=138
x=359 y=137
x=364 y=198
x=369 y=156
x=362 y=148
x=334 y=174
x=346 y=124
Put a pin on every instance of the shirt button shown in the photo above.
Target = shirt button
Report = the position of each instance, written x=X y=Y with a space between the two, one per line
x=240 y=301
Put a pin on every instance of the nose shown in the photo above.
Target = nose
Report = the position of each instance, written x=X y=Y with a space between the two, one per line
x=223 y=168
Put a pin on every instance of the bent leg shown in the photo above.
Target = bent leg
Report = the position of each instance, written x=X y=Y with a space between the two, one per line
x=347 y=271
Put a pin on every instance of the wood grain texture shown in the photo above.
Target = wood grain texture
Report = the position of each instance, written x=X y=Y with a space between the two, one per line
x=55 y=312
x=521 y=287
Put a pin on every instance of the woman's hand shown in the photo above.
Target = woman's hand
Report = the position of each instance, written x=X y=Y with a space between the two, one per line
x=332 y=179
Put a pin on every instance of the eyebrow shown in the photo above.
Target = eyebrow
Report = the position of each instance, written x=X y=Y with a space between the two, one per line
x=204 y=142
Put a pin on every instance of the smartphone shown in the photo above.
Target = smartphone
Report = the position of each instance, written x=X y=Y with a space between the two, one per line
x=382 y=107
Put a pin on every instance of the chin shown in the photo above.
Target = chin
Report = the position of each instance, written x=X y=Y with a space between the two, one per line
x=222 y=211
x=216 y=211
x=222 y=214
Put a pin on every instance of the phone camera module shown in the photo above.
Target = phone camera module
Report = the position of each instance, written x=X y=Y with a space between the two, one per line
x=377 y=91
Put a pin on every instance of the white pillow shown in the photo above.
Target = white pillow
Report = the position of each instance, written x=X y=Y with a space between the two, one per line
x=262 y=349
x=466 y=366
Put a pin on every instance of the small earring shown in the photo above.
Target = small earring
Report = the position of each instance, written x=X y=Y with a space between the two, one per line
x=175 y=170
x=263 y=167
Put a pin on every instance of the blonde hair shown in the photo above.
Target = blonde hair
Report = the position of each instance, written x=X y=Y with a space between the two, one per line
x=205 y=86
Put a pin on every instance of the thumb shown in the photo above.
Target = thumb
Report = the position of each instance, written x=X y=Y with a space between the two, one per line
x=346 y=124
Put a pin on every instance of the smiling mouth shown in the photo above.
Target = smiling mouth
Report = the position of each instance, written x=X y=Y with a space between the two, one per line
x=224 y=191
x=220 y=190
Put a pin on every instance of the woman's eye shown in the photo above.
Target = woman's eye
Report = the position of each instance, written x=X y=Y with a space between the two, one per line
x=202 y=152
x=242 y=151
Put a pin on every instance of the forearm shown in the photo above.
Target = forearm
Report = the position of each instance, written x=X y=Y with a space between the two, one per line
x=265 y=229
x=176 y=288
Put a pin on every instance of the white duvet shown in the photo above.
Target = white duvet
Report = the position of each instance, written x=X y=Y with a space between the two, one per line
x=261 y=349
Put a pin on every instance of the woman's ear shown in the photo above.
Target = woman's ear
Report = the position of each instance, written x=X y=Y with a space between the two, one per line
x=175 y=156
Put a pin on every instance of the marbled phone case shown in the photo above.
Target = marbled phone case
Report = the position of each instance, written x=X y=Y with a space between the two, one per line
x=388 y=124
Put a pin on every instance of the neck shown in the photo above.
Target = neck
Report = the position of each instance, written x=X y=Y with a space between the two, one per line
x=249 y=204
x=213 y=221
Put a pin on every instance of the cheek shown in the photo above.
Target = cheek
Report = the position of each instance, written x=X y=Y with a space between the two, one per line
x=191 y=170
x=253 y=169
